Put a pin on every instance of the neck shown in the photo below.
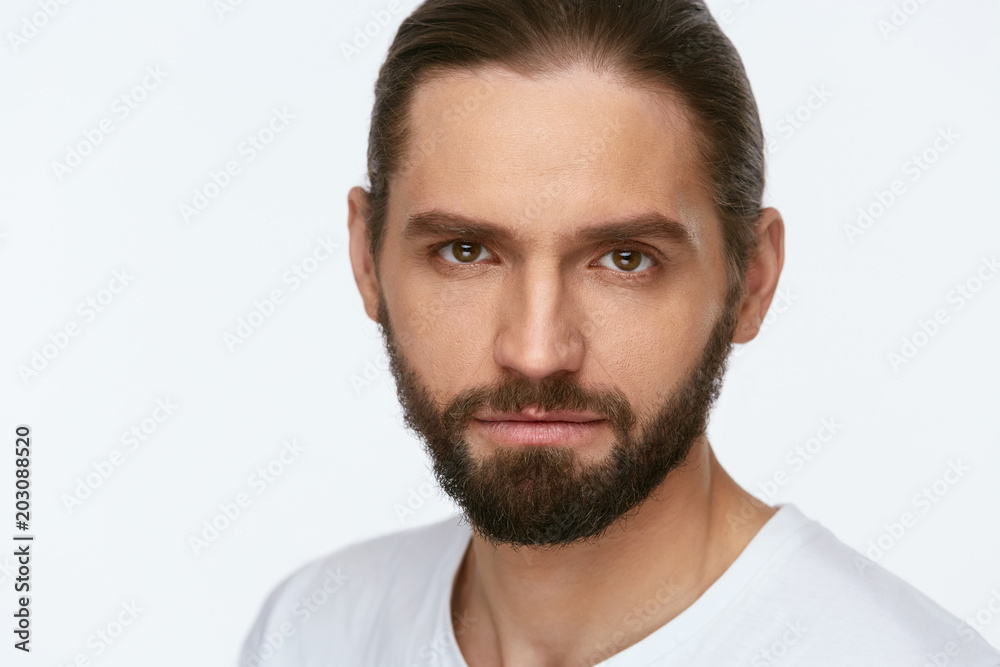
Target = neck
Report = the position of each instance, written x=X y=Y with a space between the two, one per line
x=580 y=604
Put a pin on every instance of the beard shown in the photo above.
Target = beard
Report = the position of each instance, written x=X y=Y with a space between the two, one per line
x=545 y=495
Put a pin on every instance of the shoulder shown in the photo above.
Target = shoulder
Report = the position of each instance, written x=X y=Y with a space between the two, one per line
x=842 y=603
x=352 y=592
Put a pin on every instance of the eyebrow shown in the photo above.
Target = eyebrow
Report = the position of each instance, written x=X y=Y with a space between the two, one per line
x=647 y=225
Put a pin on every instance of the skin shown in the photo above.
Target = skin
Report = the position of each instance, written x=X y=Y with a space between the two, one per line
x=548 y=303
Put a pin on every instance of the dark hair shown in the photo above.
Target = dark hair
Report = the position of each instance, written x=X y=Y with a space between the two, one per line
x=672 y=45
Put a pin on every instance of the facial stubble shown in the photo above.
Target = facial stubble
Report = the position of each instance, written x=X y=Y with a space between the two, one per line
x=545 y=495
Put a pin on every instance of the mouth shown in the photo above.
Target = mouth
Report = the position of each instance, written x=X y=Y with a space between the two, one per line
x=534 y=427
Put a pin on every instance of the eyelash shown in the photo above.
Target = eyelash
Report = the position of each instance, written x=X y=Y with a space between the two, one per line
x=657 y=260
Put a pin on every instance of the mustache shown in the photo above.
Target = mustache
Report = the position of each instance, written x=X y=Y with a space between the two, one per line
x=516 y=393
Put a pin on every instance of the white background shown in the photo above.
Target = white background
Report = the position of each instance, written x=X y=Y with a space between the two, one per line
x=849 y=304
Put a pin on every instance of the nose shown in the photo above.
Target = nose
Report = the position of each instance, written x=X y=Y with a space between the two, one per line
x=541 y=334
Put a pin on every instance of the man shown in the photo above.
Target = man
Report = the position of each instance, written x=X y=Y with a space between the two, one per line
x=562 y=239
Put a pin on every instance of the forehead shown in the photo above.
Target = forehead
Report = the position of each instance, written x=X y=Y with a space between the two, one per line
x=549 y=152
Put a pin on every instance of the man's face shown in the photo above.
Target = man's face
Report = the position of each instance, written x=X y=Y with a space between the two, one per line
x=626 y=329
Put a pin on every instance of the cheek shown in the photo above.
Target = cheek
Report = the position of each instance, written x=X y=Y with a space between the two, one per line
x=444 y=333
x=646 y=348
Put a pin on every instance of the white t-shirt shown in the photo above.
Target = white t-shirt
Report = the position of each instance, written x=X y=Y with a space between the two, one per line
x=795 y=597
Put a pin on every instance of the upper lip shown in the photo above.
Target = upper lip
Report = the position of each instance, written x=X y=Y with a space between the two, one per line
x=539 y=416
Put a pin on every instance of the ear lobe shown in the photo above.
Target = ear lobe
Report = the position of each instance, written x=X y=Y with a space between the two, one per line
x=748 y=326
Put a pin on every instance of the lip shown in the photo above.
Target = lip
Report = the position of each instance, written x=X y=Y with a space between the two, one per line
x=573 y=416
x=559 y=427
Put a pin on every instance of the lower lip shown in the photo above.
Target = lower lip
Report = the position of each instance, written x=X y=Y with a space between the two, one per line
x=542 y=433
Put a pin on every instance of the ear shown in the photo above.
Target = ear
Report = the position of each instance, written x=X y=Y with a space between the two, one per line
x=361 y=258
x=762 y=275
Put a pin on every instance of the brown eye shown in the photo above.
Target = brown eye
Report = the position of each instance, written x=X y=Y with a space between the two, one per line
x=465 y=252
x=627 y=261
